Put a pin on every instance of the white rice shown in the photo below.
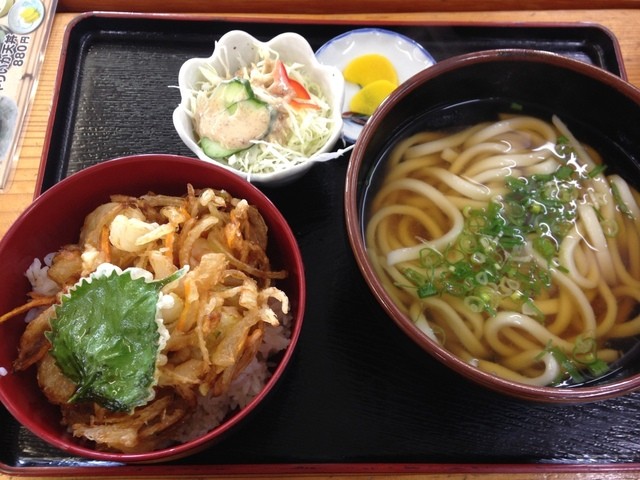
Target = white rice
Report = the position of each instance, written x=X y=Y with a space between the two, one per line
x=40 y=281
x=211 y=411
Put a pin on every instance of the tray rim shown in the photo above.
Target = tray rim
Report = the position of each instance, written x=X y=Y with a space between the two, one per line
x=294 y=19
x=161 y=470
x=330 y=468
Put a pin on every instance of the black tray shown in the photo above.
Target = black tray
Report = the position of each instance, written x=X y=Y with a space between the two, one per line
x=359 y=396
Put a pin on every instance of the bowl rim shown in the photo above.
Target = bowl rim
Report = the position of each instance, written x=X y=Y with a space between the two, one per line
x=231 y=182
x=377 y=31
x=333 y=77
x=515 y=389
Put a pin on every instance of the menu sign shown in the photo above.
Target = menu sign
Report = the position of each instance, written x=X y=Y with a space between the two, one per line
x=24 y=31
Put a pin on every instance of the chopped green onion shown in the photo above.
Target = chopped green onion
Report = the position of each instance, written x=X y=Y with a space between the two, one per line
x=467 y=242
x=610 y=228
x=585 y=352
x=598 y=367
x=598 y=213
x=545 y=247
x=478 y=258
x=584 y=355
x=531 y=309
x=489 y=259
x=482 y=278
x=566 y=364
x=425 y=288
x=475 y=304
x=622 y=206
x=564 y=172
x=597 y=170
x=430 y=258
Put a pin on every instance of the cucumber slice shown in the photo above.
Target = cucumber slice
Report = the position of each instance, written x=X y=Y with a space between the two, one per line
x=234 y=119
x=213 y=149
x=233 y=91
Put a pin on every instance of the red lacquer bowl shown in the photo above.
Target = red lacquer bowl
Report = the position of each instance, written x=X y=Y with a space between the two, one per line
x=55 y=218
x=465 y=90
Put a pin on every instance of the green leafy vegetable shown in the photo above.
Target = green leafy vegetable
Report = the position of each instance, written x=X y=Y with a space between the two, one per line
x=106 y=338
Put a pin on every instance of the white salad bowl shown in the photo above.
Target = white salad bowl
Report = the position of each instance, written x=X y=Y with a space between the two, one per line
x=52 y=221
x=237 y=49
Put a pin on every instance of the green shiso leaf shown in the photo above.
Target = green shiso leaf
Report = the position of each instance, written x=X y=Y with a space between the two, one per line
x=106 y=339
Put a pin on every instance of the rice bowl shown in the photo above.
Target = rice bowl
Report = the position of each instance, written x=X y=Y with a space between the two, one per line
x=20 y=393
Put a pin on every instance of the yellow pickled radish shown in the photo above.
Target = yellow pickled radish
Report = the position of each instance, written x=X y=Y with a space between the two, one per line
x=29 y=14
x=366 y=100
x=369 y=68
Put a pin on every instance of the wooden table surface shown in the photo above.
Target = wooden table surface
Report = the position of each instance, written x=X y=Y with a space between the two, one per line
x=623 y=22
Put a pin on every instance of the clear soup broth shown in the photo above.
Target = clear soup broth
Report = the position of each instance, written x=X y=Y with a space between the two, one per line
x=510 y=235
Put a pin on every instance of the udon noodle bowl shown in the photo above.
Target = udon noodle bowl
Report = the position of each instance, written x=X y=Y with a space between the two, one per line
x=513 y=246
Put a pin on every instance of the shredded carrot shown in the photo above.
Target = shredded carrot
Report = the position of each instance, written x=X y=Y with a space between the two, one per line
x=36 y=302
x=169 y=242
x=182 y=321
x=105 y=245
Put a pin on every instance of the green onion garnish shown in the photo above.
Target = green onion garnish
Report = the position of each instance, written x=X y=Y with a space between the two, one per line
x=489 y=253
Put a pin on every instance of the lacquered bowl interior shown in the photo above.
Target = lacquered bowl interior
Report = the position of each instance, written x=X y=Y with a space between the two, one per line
x=600 y=108
x=55 y=218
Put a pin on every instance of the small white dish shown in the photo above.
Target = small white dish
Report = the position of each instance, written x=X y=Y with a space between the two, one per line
x=237 y=49
x=407 y=56
x=21 y=25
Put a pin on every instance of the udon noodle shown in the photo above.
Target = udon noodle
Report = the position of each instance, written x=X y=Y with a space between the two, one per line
x=510 y=244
